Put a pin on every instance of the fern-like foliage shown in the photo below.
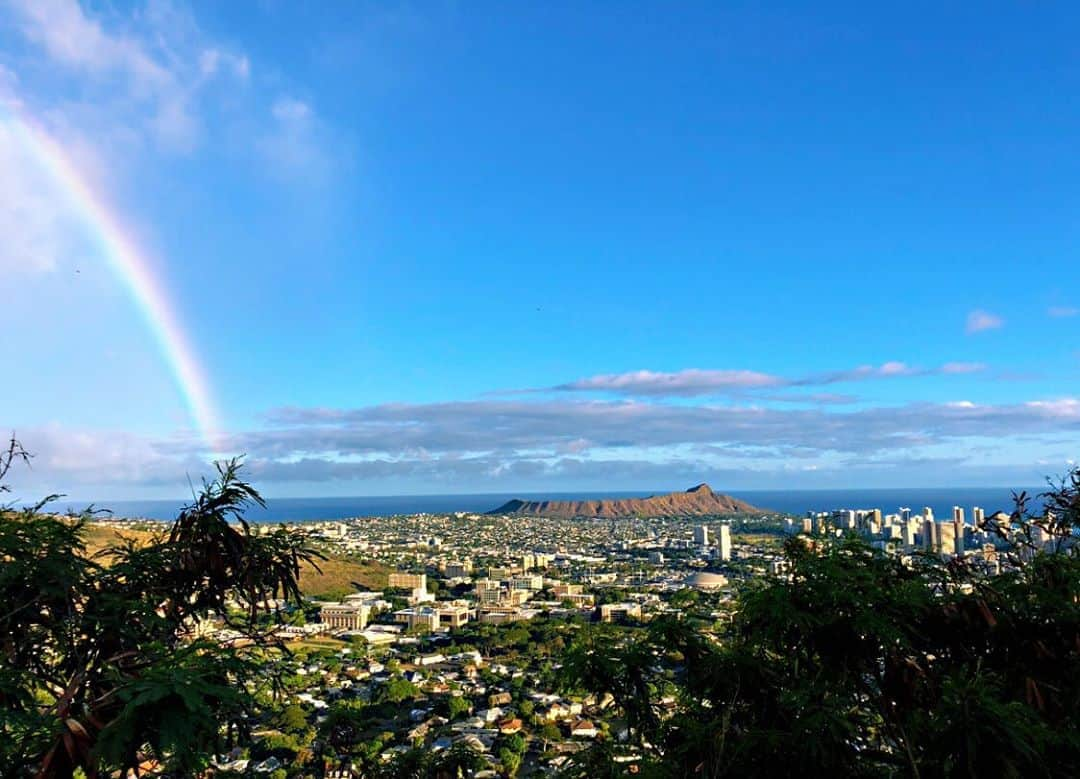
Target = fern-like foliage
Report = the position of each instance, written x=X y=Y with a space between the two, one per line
x=100 y=669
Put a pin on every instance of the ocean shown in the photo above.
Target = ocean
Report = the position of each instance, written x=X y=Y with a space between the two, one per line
x=940 y=499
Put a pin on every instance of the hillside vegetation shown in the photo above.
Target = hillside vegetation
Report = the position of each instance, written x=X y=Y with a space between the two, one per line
x=334 y=578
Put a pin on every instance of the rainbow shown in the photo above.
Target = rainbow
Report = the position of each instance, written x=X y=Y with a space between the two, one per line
x=132 y=268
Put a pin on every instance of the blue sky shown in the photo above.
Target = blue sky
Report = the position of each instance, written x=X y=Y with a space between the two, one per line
x=442 y=247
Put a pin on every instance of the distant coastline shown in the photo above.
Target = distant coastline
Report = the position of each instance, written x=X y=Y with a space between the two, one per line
x=940 y=499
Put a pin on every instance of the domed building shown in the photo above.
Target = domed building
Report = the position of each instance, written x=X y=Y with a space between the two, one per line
x=705 y=581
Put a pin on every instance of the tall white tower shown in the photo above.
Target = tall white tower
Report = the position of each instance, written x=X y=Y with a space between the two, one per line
x=724 y=540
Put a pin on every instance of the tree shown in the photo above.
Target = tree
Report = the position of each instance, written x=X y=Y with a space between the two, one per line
x=457 y=706
x=99 y=666
x=344 y=724
x=280 y=745
x=549 y=732
x=516 y=743
x=603 y=661
x=459 y=760
x=395 y=690
x=869 y=664
x=511 y=761
x=292 y=719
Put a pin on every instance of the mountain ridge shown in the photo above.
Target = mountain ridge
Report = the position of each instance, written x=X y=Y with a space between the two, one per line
x=699 y=500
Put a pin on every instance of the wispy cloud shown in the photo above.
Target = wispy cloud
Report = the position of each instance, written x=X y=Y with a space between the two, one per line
x=517 y=426
x=1062 y=312
x=295 y=143
x=696 y=382
x=120 y=88
x=148 y=70
x=37 y=230
x=108 y=88
x=686 y=382
x=979 y=321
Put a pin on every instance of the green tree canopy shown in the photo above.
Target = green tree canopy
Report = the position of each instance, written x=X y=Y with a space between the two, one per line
x=864 y=663
x=101 y=663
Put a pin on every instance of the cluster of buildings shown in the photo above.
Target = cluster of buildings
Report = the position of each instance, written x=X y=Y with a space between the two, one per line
x=452 y=572
x=906 y=532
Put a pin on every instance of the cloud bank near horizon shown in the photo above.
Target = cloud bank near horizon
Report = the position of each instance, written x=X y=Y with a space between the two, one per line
x=492 y=444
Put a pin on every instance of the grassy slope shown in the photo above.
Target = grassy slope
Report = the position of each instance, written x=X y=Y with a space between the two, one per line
x=339 y=573
x=334 y=581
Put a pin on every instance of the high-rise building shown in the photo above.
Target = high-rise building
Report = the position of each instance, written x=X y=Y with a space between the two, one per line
x=724 y=541
x=701 y=535
x=928 y=513
x=905 y=513
x=929 y=535
x=958 y=514
x=946 y=541
x=978 y=516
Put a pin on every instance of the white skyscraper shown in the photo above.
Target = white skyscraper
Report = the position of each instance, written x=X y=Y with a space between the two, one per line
x=724 y=541
x=929 y=535
x=946 y=537
x=701 y=535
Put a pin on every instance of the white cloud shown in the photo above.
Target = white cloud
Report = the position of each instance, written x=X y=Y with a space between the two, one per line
x=951 y=368
x=150 y=69
x=38 y=229
x=686 y=382
x=979 y=321
x=72 y=38
x=289 y=110
x=110 y=89
x=212 y=61
x=1062 y=312
x=297 y=143
x=120 y=64
x=65 y=459
x=1066 y=408
x=473 y=442
x=695 y=382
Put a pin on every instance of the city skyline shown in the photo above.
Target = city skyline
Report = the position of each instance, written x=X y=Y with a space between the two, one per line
x=402 y=250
